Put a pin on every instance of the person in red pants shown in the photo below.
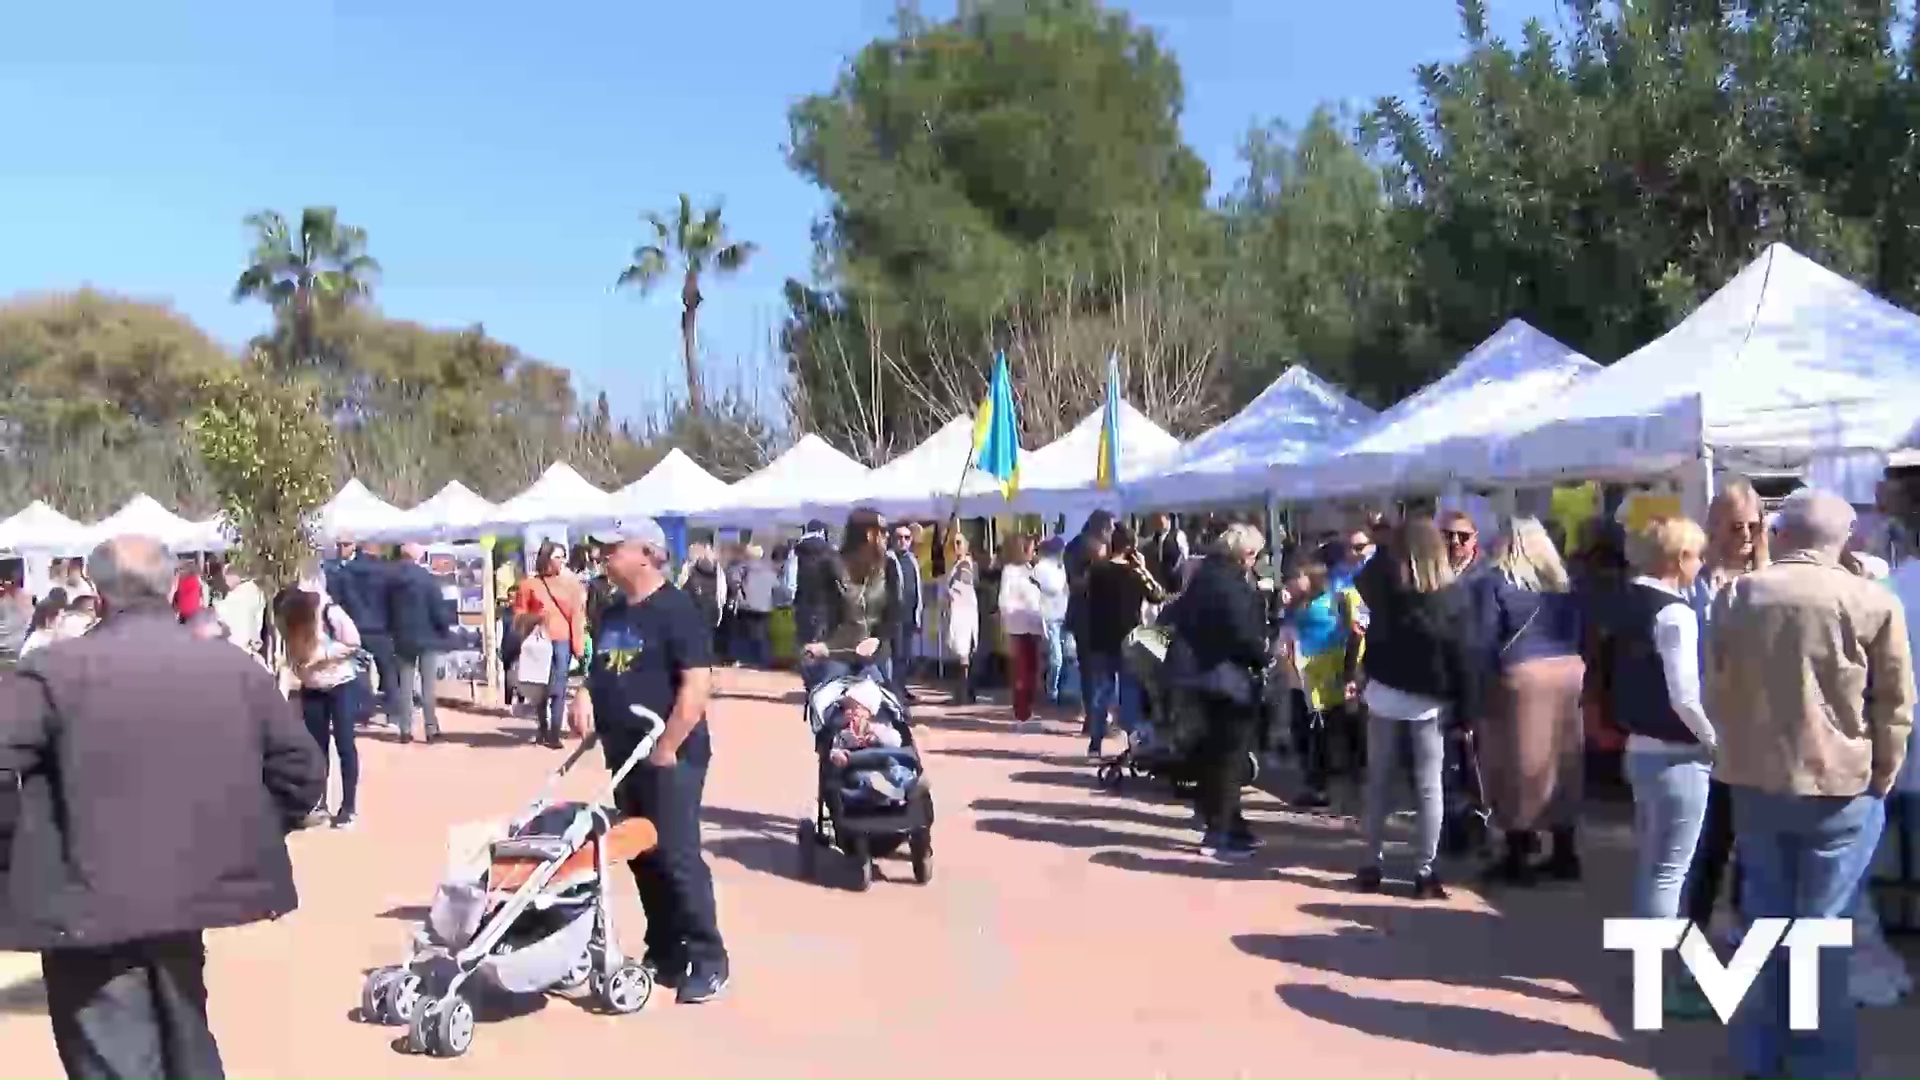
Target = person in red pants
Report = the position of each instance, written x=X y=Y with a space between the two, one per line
x=1026 y=627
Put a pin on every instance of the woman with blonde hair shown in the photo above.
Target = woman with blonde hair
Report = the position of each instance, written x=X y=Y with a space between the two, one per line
x=962 y=632
x=1020 y=617
x=1422 y=677
x=1652 y=650
x=1531 y=739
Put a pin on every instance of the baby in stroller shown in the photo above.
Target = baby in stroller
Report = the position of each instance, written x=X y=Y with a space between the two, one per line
x=880 y=781
x=872 y=793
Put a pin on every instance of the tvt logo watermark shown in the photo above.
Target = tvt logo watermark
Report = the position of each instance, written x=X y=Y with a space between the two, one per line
x=1726 y=985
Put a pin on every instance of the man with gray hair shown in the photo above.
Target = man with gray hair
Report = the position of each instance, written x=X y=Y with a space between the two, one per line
x=1810 y=684
x=158 y=775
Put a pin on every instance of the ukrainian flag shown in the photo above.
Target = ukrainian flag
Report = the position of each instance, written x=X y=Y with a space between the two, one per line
x=996 y=431
x=1107 y=471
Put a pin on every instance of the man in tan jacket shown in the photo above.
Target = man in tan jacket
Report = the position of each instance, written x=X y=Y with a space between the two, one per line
x=1810 y=685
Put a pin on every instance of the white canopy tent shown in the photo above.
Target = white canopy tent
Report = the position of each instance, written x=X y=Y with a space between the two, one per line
x=41 y=530
x=1788 y=363
x=1060 y=476
x=452 y=513
x=1298 y=415
x=560 y=497
x=921 y=483
x=142 y=516
x=810 y=471
x=675 y=487
x=1427 y=441
x=355 y=512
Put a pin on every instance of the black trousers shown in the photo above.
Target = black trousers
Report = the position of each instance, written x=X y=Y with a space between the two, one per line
x=386 y=666
x=676 y=885
x=135 y=1010
x=1222 y=761
x=1711 y=858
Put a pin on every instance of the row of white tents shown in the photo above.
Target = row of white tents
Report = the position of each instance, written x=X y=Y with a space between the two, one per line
x=1790 y=366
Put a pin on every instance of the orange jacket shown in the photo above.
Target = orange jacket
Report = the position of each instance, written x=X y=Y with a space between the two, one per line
x=561 y=603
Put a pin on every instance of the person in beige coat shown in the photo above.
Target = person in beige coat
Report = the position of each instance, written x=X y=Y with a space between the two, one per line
x=1810 y=684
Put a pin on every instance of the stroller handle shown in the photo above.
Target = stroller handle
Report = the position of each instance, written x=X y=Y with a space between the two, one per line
x=655 y=726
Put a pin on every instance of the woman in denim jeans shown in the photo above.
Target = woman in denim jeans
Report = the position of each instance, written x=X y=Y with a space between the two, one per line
x=1651 y=648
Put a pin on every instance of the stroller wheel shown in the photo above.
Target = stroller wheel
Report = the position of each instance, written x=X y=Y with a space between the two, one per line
x=451 y=1033
x=374 y=996
x=809 y=841
x=1110 y=775
x=578 y=974
x=627 y=990
x=862 y=857
x=403 y=999
x=920 y=849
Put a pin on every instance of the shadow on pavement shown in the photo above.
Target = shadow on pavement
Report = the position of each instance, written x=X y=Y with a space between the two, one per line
x=994 y=753
x=24 y=998
x=484 y=739
x=764 y=843
x=407 y=913
x=1464 y=1029
x=795 y=698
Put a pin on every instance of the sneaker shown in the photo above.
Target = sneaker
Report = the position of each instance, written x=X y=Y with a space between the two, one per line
x=1367 y=879
x=701 y=987
x=886 y=788
x=1246 y=840
x=344 y=821
x=666 y=975
x=1225 y=848
x=432 y=737
x=316 y=818
x=1427 y=887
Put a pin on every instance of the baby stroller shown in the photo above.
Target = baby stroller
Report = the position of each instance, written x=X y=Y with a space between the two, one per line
x=530 y=914
x=864 y=834
x=1166 y=748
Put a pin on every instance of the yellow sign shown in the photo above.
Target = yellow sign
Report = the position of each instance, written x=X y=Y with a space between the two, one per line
x=1646 y=507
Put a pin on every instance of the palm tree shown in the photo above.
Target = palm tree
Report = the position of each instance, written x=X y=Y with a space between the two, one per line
x=700 y=244
x=323 y=268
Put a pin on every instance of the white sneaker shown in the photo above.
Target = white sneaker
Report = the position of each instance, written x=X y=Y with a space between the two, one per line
x=886 y=788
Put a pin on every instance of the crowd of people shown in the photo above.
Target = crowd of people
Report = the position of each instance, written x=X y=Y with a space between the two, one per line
x=1755 y=674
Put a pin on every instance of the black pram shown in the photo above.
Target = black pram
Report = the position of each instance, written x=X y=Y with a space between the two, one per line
x=864 y=833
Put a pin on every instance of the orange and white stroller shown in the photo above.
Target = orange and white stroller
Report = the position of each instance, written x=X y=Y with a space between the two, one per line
x=529 y=913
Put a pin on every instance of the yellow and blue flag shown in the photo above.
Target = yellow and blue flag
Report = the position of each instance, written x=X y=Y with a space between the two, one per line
x=1107 y=471
x=996 y=431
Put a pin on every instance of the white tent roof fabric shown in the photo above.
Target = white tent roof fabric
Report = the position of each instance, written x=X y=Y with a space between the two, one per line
x=355 y=512
x=41 y=530
x=675 y=487
x=809 y=472
x=560 y=497
x=1426 y=441
x=1298 y=415
x=1787 y=362
x=1060 y=476
x=452 y=513
x=142 y=516
x=920 y=483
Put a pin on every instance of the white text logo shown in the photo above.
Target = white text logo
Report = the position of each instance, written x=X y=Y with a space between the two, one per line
x=1726 y=985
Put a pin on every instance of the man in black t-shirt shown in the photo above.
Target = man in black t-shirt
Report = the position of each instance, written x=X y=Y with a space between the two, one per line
x=654 y=649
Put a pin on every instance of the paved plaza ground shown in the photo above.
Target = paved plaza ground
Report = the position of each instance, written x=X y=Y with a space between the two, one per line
x=1067 y=932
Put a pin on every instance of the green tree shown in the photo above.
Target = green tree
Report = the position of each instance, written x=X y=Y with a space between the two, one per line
x=268 y=446
x=307 y=275
x=689 y=246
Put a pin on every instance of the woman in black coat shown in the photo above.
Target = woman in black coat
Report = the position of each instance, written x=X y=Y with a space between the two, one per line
x=1220 y=626
x=1422 y=681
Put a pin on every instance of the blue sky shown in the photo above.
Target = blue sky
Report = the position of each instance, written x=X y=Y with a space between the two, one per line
x=500 y=154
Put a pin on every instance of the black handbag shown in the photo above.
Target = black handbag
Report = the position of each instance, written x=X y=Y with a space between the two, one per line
x=1224 y=681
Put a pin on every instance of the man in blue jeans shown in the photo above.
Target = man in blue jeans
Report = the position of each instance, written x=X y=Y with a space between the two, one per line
x=1810 y=683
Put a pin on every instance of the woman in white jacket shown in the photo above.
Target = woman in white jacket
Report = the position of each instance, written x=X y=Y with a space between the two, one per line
x=1020 y=617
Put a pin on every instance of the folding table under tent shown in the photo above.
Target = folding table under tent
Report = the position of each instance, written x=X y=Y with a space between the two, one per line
x=452 y=513
x=810 y=471
x=1424 y=443
x=142 y=516
x=921 y=483
x=675 y=487
x=1060 y=477
x=356 y=513
x=560 y=497
x=1787 y=364
x=1298 y=415
x=41 y=531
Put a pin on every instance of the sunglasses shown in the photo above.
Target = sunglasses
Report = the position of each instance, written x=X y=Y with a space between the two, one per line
x=1458 y=537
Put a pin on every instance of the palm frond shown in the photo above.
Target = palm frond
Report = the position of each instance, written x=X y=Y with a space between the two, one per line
x=649 y=267
x=732 y=257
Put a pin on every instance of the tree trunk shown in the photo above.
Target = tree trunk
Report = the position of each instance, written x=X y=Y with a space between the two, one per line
x=689 y=343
